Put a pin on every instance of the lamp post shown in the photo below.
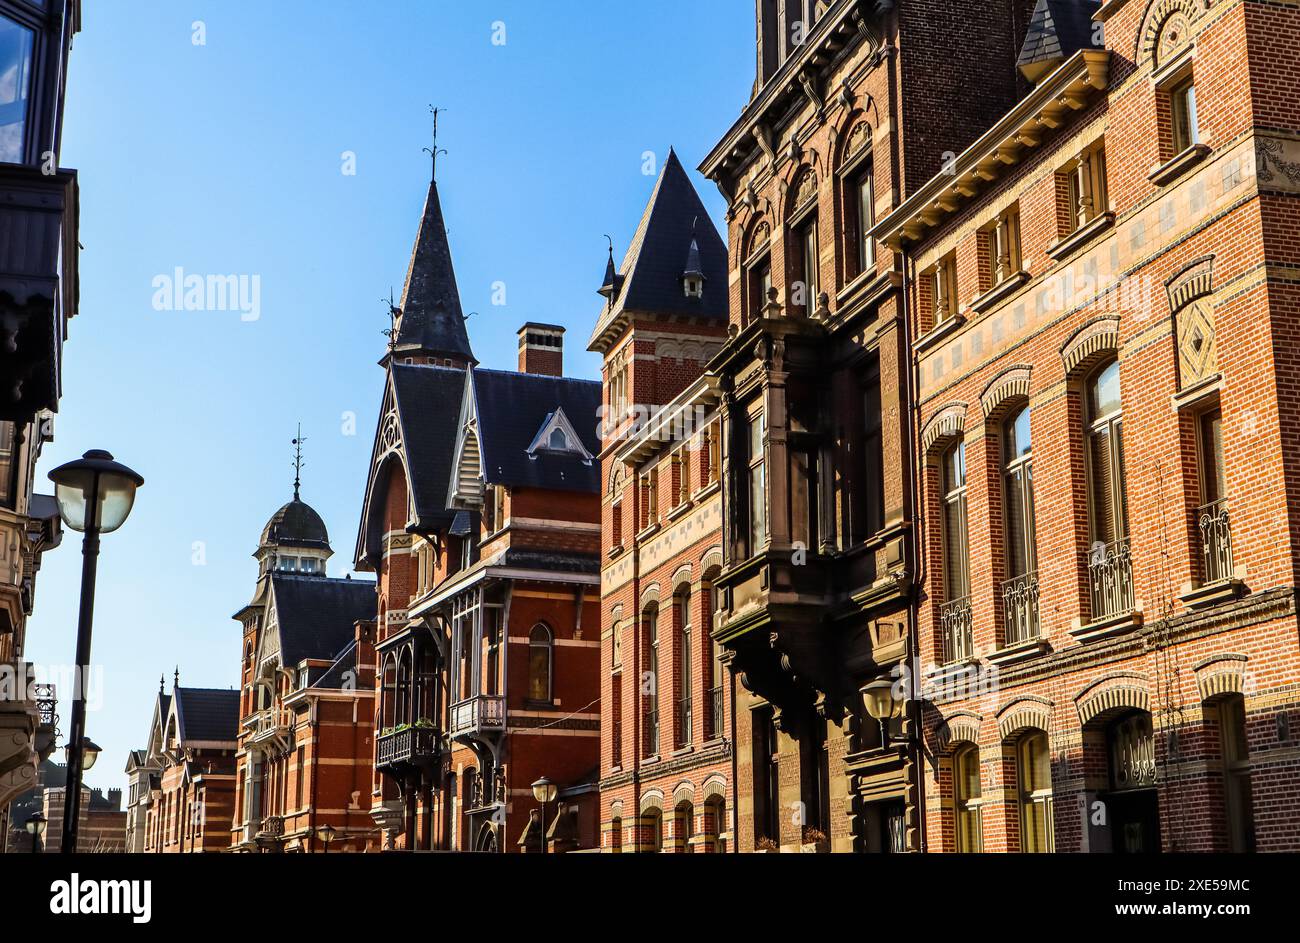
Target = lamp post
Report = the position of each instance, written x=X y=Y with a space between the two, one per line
x=95 y=495
x=36 y=828
x=544 y=791
x=326 y=834
x=878 y=698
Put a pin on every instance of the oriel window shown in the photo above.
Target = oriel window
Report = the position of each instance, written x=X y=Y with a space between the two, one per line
x=757 y=434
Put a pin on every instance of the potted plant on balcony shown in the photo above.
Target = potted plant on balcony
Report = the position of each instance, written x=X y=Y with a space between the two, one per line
x=815 y=841
x=766 y=846
x=424 y=723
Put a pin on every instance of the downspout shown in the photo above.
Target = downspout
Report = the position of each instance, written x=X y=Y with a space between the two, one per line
x=314 y=727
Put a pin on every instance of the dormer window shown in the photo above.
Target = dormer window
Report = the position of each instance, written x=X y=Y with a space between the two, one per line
x=693 y=285
x=558 y=442
x=558 y=437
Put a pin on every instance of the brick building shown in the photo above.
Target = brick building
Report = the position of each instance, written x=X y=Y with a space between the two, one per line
x=666 y=741
x=38 y=297
x=481 y=520
x=103 y=820
x=190 y=761
x=306 y=695
x=853 y=107
x=1102 y=288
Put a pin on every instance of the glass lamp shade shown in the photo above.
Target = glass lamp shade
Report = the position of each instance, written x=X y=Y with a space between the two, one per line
x=544 y=790
x=326 y=833
x=90 y=751
x=36 y=825
x=74 y=482
x=878 y=698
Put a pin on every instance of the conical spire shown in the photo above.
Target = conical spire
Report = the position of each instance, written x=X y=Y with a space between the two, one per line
x=693 y=256
x=430 y=319
x=609 y=287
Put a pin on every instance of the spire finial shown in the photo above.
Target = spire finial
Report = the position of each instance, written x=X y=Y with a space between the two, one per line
x=176 y=678
x=297 y=462
x=434 y=151
x=162 y=682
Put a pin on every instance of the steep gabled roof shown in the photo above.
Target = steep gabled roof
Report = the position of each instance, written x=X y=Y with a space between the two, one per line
x=317 y=616
x=206 y=715
x=1057 y=30
x=341 y=672
x=431 y=319
x=511 y=409
x=660 y=254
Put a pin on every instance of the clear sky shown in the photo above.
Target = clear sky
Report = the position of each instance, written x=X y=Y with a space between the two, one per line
x=228 y=158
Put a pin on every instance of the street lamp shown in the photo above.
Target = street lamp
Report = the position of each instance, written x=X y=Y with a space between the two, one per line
x=95 y=495
x=90 y=751
x=878 y=698
x=36 y=828
x=544 y=791
x=326 y=834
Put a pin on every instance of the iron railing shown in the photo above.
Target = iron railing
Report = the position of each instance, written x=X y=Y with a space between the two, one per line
x=407 y=746
x=1020 y=609
x=957 y=630
x=1110 y=579
x=481 y=713
x=1216 y=541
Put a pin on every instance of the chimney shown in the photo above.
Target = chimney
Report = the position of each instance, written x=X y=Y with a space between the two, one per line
x=541 y=349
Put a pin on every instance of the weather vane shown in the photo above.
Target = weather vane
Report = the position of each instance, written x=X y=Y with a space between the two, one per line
x=434 y=151
x=297 y=462
x=393 y=313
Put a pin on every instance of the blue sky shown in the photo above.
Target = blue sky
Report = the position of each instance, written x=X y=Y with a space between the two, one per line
x=227 y=158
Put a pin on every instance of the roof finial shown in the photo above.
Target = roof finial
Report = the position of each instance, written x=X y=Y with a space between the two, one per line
x=434 y=151
x=297 y=462
x=162 y=682
x=394 y=313
x=176 y=679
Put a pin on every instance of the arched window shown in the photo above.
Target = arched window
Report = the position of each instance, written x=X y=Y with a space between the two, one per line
x=1133 y=803
x=650 y=682
x=955 y=616
x=685 y=714
x=559 y=441
x=539 y=663
x=652 y=831
x=683 y=827
x=966 y=799
x=1020 y=591
x=713 y=665
x=1034 y=781
x=616 y=834
x=715 y=823
x=1110 y=574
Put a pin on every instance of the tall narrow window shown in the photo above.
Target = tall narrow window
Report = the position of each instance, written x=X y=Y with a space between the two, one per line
x=1236 y=774
x=1020 y=591
x=1182 y=106
x=955 y=614
x=714 y=444
x=803 y=496
x=767 y=811
x=1212 y=517
x=1002 y=252
x=684 y=705
x=492 y=629
x=1085 y=189
x=1110 y=571
x=8 y=464
x=757 y=434
x=717 y=671
x=966 y=800
x=1034 y=774
x=943 y=288
x=302 y=773
x=16 y=43
x=616 y=524
x=864 y=205
x=650 y=493
x=873 y=452
x=760 y=286
x=683 y=477
x=540 y=652
x=808 y=252
x=616 y=715
x=650 y=682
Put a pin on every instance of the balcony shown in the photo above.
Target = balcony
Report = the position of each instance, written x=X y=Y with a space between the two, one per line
x=957 y=630
x=1110 y=580
x=272 y=725
x=479 y=715
x=1020 y=610
x=409 y=748
x=1216 y=542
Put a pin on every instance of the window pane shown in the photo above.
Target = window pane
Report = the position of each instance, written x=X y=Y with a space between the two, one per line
x=1103 y=393
x=7 y=450
x=1212 y=456
x=15 y=86
x=866 y=219
x=1017 y=535
x=1018 y=442
x=810 y=267
x=1101 y=486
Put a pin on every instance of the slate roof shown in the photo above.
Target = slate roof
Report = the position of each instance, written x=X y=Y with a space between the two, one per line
x=511 y=408
x=431 y=318
x=1057 y=30
x=317 y=616
x=659 y=253
x=206 y=714
x=334 y=677
x=429 y=401
x=295 y=525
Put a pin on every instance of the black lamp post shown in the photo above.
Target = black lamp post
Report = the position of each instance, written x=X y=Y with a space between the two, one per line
x=544 y=791
x=326 y=834
x=36 y=829
x=95 y=495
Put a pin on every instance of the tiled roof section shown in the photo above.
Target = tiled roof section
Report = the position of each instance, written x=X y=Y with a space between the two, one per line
x=1057 y=30
x=429 y=401
x=658 y=256
x=511 y=408
x=295 y=525
x=317 y=617
x=342 y=672
x=431 y=318
x=206 y=714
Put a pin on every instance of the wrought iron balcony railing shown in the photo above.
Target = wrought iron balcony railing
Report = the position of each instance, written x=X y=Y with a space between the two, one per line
x=957 y=629
x=1110 y=579
x=410 y=746
x=1020 y=609
x=482 y=713
x=1216 y=541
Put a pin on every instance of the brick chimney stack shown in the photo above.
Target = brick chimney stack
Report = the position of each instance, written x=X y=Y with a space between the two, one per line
x=541 y=349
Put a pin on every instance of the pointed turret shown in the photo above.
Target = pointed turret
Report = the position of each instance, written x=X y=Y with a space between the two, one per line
x=609 y=287
x=1057 y=30
x=430 y=321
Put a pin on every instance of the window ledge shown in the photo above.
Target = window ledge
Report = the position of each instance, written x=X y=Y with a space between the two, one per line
x=1197 y=392
x=648 y=532
x=616 y=551
x=1174 y=168
x=1106 y=628
x=1021 y=651
x=938 y=332
x=679 y=510
x=1200 y=596
x=1081 y=236
x=1000 y=291
x=650 y=760
x=681 y=751
x=707 y=491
